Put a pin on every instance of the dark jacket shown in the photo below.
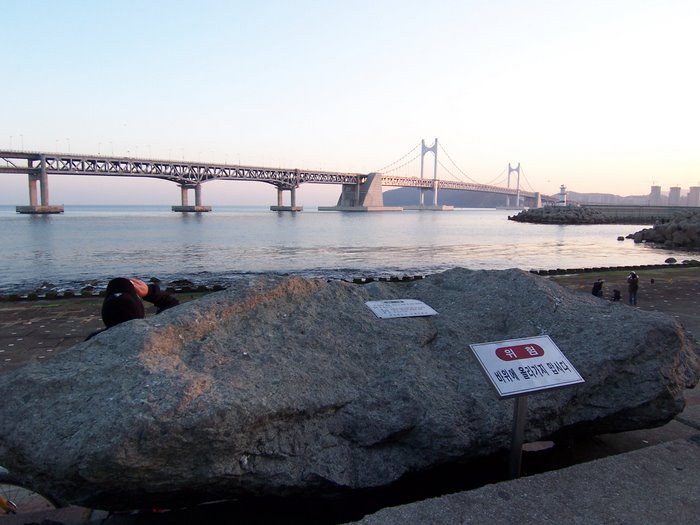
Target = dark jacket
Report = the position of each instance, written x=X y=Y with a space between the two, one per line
x=130 y=304
x=633 y=283
x=161 y=300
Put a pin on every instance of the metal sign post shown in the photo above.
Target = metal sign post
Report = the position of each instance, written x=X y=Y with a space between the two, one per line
x=516 y=444
x=517 y=367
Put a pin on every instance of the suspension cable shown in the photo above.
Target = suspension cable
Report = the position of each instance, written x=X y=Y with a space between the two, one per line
x=399 y=160
x=455 y=164
x=400 y=166
x=497 y=178
x=392 y=167
x=527 y=181
x=449 y=172
x=492 y=182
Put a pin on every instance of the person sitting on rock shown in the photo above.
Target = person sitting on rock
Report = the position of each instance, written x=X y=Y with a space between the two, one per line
x=598 y=288
x=123 y=303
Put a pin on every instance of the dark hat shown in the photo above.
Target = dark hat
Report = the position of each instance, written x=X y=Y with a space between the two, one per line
x=121 y=303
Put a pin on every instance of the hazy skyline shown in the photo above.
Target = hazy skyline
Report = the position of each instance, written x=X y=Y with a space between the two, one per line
x=601 y=96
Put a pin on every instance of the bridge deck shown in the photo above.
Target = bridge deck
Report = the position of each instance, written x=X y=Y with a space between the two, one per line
x=194 y=173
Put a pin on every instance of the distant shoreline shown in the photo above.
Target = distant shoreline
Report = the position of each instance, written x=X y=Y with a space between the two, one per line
x=185 y=287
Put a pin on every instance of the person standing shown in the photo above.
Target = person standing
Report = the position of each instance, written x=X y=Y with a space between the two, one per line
x=632 y=287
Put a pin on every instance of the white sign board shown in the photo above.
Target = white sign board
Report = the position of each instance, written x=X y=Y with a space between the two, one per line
x=393 y=308
x=520 y=366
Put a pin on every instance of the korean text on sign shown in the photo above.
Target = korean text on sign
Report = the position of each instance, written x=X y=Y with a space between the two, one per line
x=520 y=366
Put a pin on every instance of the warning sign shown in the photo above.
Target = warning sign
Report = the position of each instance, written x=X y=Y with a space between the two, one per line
x=393 y=308
x=521 y=366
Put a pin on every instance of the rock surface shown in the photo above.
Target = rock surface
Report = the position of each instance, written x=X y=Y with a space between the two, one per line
x=562 y=215
x=683 y=231
x=288 y=386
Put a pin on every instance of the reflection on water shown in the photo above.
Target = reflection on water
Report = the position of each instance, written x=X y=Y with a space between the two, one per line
x=88 y=243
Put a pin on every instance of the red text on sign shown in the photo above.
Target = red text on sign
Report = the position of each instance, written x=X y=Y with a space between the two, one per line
x=512 y=353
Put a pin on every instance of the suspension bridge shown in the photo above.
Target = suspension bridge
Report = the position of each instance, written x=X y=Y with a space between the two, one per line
x=360 y=192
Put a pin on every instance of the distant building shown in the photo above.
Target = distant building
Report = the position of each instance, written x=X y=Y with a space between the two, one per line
x=694 y=196
x=674 y=196
x=655 y=196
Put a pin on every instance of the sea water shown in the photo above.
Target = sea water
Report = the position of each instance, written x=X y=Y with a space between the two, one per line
x=91 y=244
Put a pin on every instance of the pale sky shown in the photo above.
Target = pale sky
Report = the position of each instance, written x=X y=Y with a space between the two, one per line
x=602 y=96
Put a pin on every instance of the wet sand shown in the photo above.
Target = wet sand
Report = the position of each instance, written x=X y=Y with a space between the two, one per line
x=35 y=330
x=675 y=291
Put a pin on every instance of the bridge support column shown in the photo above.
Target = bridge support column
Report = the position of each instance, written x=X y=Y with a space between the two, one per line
x=184 y=206
x=292 y=200
x=43 y=179
x=198 y=195
x=363 y=196
x=33 y=179
x=183 y=196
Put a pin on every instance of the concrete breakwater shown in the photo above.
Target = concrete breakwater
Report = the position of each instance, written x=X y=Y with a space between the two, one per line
x=682 y=231
x=567 y=271
x=600 y=214
x=640 y=214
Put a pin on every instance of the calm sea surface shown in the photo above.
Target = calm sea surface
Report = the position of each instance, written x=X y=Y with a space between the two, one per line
x=94 y=243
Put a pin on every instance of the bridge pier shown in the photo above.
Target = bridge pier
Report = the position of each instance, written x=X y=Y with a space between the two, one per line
x=185 y=207
x=366 y=196
x=292 y=201
x=43 y=179
x=430 y=207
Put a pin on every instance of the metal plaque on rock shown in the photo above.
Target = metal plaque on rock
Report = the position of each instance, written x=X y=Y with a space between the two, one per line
x=393 y=308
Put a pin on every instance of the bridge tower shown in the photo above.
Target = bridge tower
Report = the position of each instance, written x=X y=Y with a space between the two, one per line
x=517 y=194
x=424 y=150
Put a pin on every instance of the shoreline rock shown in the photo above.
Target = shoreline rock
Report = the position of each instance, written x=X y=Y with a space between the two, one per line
x=562 y=215
x=682 y=231
x=292 y=387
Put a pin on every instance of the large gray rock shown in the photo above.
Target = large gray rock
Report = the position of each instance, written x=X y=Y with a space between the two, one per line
x=284 y=386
